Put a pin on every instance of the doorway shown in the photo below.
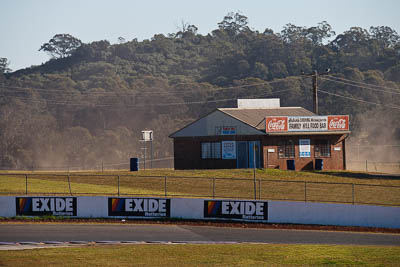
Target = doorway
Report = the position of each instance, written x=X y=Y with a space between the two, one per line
x=248 y=154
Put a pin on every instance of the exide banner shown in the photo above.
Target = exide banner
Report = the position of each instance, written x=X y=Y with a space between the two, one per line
x=42 y=206
x=307 y=123
x=243 y=210
x=139 y=207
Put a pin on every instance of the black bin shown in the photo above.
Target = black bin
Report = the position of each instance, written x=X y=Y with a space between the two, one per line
x=134 y=164
x=319 y=164
x=290 y=165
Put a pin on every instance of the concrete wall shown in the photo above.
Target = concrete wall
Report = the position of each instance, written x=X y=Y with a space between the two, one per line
x=204 y=209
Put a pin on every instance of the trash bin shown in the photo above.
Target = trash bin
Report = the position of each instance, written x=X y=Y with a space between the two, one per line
x=290 y=165
x=134 y=164
x=319 y=164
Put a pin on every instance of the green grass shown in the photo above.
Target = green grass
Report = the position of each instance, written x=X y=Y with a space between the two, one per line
x=271 y=184
x=205 y=255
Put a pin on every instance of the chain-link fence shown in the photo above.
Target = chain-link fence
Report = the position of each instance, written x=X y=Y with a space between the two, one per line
x=373 y=166
x=167 y=162
x=197 y=187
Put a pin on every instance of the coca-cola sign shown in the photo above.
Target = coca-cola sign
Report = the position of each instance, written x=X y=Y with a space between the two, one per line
x=338 y=123
x=307 y=123
x=276 y=124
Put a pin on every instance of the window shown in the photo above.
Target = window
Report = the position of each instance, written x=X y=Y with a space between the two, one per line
x=211 y=150
x=286 y=149
x=322 y=148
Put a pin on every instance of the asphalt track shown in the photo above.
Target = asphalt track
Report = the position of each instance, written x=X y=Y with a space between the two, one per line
x=17 y=233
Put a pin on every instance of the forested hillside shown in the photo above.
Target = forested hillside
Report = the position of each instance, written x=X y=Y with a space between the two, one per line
x=90 y=101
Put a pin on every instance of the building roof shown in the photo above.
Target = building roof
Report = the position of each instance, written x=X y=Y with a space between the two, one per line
x=256 y=117
x=252 y=118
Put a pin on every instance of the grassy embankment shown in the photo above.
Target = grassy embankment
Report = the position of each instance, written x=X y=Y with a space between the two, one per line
x=205 y=255
x=274 y=184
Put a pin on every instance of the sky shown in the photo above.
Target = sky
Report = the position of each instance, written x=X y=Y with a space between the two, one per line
x=27 y=24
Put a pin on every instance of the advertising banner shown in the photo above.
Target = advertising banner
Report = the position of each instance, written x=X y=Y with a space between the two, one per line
x=307 y=123
x=338 y=123
x=225 y=130
x=228 y=130
x=44 y=206
x=276 y=124
x=139 y=207
x=241 y=210
x=228 y=149
x=305 y=148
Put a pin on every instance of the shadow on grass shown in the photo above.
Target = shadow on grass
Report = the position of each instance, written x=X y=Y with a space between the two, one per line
x=361 y=175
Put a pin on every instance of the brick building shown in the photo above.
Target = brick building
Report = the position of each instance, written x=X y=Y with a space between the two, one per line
x=260 y=132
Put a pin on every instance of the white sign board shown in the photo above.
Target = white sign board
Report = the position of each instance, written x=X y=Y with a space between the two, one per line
x=147 y=135
x=304 y=124
x=305 y=148
x=228 y=150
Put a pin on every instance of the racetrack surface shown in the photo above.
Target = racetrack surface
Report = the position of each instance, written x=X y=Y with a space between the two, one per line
x=26 y=232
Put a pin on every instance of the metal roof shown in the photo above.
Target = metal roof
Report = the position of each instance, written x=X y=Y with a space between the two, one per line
x=256 y=117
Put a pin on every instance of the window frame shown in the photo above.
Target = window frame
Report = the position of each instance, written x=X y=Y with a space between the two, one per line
x=286 y=149
x=213 y=150
x=322 y=148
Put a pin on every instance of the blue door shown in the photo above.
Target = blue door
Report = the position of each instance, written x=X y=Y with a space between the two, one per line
x=248 y=154
x=254 y=154
x=242 y=155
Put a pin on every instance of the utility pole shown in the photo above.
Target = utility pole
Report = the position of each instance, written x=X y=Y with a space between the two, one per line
x=254 y=170
x=314 y=76
x=315 y=91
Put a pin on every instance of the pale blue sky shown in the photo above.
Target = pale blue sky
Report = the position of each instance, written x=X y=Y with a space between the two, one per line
x=26 y=24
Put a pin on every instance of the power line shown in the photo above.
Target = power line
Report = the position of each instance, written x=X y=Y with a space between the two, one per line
x=359 y=100
x=145 y=105
x=360 y=86
x=159 y=92
x=366 y=84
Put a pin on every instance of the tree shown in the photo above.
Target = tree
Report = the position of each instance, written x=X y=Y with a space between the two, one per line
x=185 y=30
x=319 y=33
x=4 y=65
x=121 y=40
x=61 y=46
x=234 y=23
x=292 y=33
x=386 y=36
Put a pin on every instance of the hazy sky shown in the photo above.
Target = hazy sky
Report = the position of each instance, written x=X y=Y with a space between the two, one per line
x=26 y=24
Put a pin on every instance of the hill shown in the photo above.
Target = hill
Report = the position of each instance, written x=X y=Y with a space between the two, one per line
x=89 y=104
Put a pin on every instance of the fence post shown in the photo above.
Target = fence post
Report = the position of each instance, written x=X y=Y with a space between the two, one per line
x=305 y=191
x=26 y=184
x=165 y=185
x=366 y=165
x=352 y=192
x=69 y=185
x=118 y=185
x=213 y=187
x=259 y=188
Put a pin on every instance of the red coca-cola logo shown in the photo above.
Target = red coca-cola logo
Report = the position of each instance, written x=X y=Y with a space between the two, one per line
x=276 y=124
x=338 y=122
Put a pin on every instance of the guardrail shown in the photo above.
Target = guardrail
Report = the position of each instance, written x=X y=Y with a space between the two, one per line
x=197 y=187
